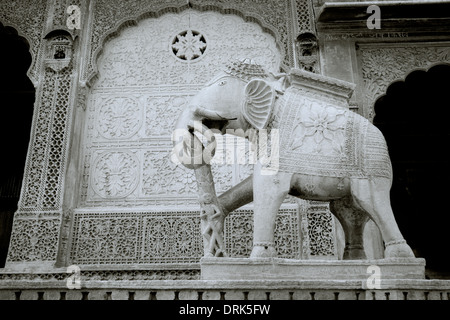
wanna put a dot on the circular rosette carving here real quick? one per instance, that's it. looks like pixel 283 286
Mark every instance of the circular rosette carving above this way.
pixel 115 174
pixel 119 118
pixel 188 45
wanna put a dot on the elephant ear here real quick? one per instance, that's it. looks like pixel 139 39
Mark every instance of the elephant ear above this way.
pixel 259 103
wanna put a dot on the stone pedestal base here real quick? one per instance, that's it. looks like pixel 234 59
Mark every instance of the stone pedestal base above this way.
pixel 286 269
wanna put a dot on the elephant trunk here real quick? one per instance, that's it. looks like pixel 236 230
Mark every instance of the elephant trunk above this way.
pixel 187 146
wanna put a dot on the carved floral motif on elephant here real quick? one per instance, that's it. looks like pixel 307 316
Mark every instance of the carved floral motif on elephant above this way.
pixel 319 129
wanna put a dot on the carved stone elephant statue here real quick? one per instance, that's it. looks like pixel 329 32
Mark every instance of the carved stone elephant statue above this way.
pixel 319 150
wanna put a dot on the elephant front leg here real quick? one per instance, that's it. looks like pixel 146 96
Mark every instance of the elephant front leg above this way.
pixel 269 191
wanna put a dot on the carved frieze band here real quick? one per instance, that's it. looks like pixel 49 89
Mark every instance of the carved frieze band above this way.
pixel 169 237
pixel 383 65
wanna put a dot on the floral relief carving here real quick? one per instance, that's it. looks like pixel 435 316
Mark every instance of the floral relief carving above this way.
pixel 115 174
pixel 139 237
pixel 319 127
pixel 239 233
pixel 163 177
pixel 119 118
pixel 161 114
pixel 320 231
pixel 107 238
pixel 133 58
pixel 168 236
pixel 189 45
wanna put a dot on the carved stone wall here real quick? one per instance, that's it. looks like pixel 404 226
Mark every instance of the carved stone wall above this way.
pixel 168 237
pixel 318 231
pixel 384 64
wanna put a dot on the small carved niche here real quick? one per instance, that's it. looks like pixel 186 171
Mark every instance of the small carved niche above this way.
pixel 59 49
pixel 308 52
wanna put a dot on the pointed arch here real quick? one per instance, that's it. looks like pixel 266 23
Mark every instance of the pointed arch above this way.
pixel 91 69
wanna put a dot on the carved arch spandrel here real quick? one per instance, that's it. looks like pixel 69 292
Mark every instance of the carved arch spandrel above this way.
pixel 110 18
pixel 384 65
pixel 27 18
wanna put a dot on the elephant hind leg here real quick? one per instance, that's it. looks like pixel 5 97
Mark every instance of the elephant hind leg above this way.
pixel 353 220
pixel 372 195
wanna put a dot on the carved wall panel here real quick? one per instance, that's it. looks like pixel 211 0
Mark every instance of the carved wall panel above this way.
pixel 383 65
pixel 34 240
pixel 304 16
pixel 47 151
pixel 317 230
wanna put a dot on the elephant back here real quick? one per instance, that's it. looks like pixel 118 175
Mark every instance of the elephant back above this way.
pixel 320 135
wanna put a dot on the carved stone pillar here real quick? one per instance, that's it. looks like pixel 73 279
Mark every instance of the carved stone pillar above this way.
pixel 37 223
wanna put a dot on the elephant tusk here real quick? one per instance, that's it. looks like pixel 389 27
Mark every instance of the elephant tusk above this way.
pixel 211 115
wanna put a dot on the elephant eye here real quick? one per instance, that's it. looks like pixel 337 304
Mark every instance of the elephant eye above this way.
pixel 223 82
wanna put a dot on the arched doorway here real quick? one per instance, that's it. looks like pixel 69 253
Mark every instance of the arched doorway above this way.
pixel 17 98
pixel 413 116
